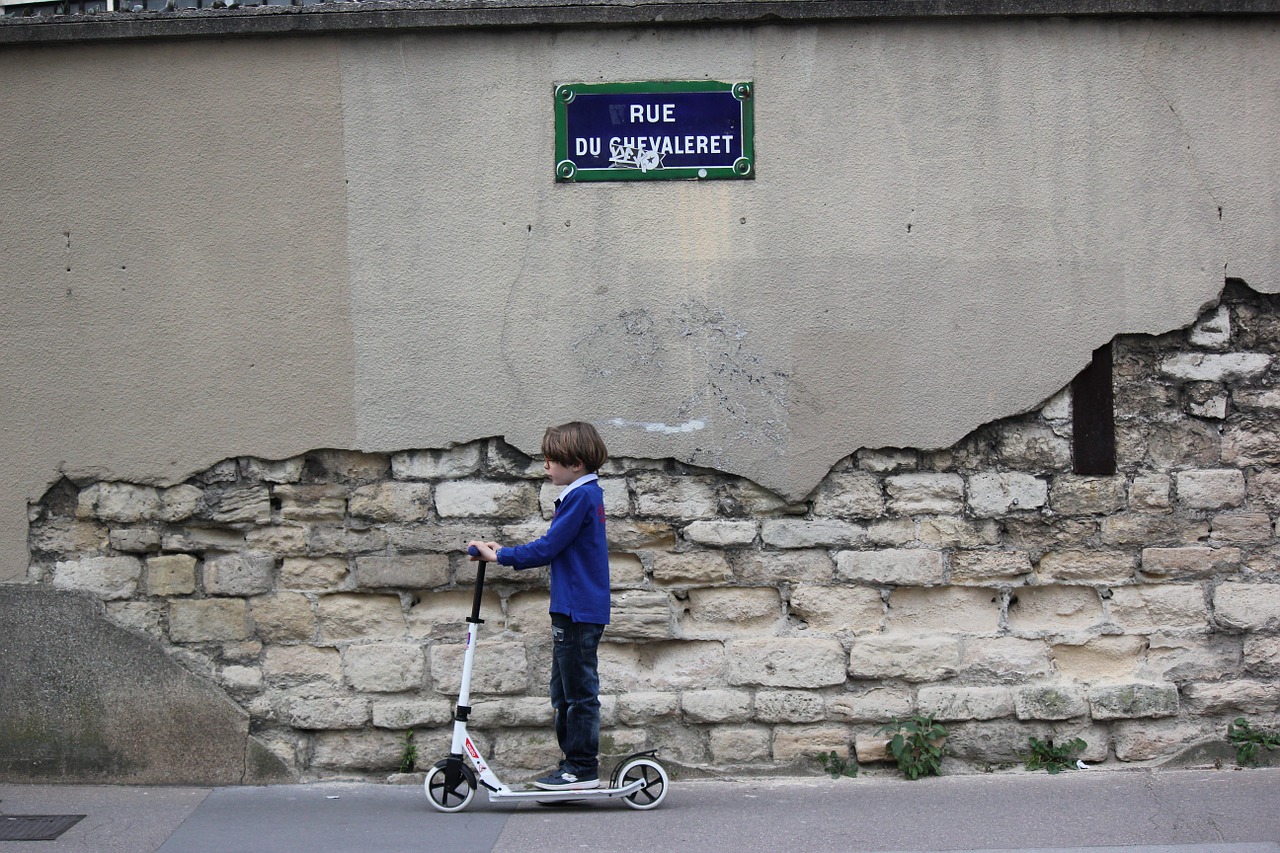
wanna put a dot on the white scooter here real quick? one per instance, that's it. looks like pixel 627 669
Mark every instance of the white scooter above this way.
pixel 639 779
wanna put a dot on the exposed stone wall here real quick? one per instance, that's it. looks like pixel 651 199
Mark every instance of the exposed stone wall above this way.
pixel 985 584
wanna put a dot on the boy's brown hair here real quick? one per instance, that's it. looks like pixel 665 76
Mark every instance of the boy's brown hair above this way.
pixel 575 442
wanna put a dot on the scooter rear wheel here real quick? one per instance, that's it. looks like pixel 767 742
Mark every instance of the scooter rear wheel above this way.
pixel 655 779
pixel 447 799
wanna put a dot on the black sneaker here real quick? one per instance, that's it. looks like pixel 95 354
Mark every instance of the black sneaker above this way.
pixel 566 780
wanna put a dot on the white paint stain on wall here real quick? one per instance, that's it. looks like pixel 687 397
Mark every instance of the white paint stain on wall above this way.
pixel 665 429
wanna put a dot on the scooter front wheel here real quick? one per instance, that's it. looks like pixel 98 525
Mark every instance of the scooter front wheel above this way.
pixel 445 798
pixel 655 778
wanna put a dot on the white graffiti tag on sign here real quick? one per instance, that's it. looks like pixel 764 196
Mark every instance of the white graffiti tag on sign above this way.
pixel 624 156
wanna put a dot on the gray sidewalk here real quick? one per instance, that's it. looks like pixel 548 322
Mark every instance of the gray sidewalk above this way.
pixel 1193 811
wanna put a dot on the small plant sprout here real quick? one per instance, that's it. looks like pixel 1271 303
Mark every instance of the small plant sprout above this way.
pixel 916 745
pixel 1045 755
pixel 1247 739
pixel 837 766
pixel 409 754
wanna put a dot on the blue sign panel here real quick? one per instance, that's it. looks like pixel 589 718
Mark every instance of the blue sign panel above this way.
pixel 654 131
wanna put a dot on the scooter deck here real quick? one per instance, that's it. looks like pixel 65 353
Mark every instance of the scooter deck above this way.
pixel 583 794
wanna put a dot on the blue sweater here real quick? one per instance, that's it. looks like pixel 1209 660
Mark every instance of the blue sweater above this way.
pixel 578 553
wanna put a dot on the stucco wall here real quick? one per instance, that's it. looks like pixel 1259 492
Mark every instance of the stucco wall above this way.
pixel 223 248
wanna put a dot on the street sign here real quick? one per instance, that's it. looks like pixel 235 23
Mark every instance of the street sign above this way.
pixel 654 131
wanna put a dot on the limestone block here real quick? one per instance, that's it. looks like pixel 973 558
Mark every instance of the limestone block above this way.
pixel 632 535
pixel 1241 528
pixel 1251 443
pixel 1263 490
pixel 925 494
pixel 1215 367
pixel 142 616
pixel 462 460
pixel 384 667
pixel 358 751
pixel 1248 607
pixel 989 567
pixel 789 706
pixel 617 497
pixel 910 658
pixel 1140 530
pixel 526 611
pixel 499 667
pixel 1005 660
pixel 273 471
pixel 739 745
pixel 716 706
pixel 349 466
pixel 1151 492
pixel 720 534
pixel 240 506
pixel 1072 494
pixel 392 501
pixel 838 608
pixel 107 577
pixel 208 620
pixel 179 503
pixel 745 499
pixel 891 566
pixel 126 502
pixel 1268 399
pixel 786 662
pixel 171 574
pixel 1212 330
pixel 326 539
pixel 642 709
pixel 241 679
pixel 876 705
pixel 1050 702
pixel 1216 488
pixel 318 573
pixel 1152 607
pixel 811 532
pixel 854 494
pixel 1099 659
pixel 626 571
pixel 135 540
pixel 1032 445
pixel 1186 656
pixel 352 616
pixel 411 713
pixel 66 536
pixel 281 540
pixel 672 667
pixel 1148 740
pixel 243 573
pixel 965 703
pixel 691 567
pixel 482 499
pixel 770 567
pixel 893 532
pixel 1039 532
pixel 956 532
pixel 311 502
pixel 513 711
pixel 721 612
pixel 797 742
pixel 1242 696
pixel 871 748
pixel 405 571
pixel 1192 561
pixel 1178 444
pixel 1108 567
pixel 282 616
pixel 290 665
pixel 1035 610
pixel 969 610
pixel 535 749
pixel 993 494
pixel 1127 701
pixel 640 615
pixel 686 498
pixel 886 460
pixel 1262 656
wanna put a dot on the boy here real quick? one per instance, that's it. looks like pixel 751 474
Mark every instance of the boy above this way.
pixel 578 554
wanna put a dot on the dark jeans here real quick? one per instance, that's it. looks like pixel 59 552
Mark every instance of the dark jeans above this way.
pixel 575 689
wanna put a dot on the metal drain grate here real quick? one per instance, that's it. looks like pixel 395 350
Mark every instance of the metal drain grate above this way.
pixel 36 827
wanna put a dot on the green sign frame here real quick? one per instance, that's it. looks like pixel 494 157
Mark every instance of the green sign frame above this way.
pixel 709 110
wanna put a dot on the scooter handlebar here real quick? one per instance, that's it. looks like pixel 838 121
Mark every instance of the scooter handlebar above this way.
pixel 473 551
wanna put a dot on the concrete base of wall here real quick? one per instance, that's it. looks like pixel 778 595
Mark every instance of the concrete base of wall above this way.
pixel 85 701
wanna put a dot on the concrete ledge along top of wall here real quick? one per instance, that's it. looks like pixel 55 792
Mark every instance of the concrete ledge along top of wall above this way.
pixel 356 241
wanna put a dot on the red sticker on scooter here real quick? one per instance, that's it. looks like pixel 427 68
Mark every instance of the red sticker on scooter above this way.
pixel 471 749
